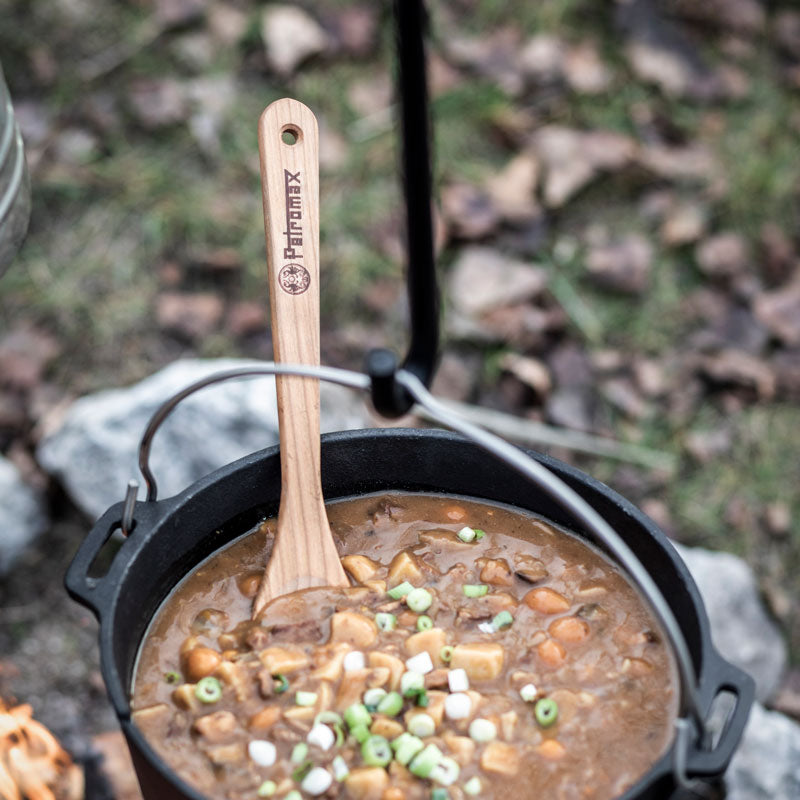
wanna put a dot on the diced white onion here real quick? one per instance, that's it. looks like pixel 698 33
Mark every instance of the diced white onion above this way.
pixel 411 682
pixel 317 781
pixel 420 663
pixel 354 660
pixel 473 786
pixel 528 692
pixel 422 725
pixel 457 680
pixel 466 534
pixel 457 705
pixel 486 627
pixel 373 696
pixel 262 752
pixel 322 736
pixel 482 730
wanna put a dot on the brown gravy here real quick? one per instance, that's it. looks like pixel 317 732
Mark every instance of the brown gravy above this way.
pixel 579 634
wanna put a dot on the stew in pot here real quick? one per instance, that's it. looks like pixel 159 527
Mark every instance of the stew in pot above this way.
pixel 481 652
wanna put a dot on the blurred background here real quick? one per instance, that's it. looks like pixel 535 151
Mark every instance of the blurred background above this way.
pixel 617 195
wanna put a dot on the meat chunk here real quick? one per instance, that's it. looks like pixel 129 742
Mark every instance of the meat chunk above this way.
pixel 529 568
pixel 495 571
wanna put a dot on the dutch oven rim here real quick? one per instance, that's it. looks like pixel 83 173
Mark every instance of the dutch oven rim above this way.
pixel 101 596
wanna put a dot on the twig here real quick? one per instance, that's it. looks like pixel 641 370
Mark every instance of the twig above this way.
pixel 528 432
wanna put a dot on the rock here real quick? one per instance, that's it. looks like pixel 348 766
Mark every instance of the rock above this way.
pixel 94 452
pixel 779 311
pixel 290 36
pixel 723 255
pixel 483 279
pixel 22 515
pixel 76 146
pixel 740 627
pixel 767 762
pixel 584 70
pixel 191 316
pixel 623 266
pixel 468 211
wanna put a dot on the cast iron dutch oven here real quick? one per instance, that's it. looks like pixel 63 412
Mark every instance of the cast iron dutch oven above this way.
pixel 172 536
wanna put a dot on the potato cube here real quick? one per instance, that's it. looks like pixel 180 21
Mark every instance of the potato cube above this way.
pixel 395 666
pixel 353 628
pixel 483 661
pixel 431 641
pixel 404 567
pixel 283 660
pixel 366 783
pixel 360 567
pixel 501 758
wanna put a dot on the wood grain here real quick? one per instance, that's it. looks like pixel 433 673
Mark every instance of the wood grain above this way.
pixel 304 554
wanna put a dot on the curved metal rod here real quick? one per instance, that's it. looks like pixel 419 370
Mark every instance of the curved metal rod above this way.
pixel 354 380
pixel 576 505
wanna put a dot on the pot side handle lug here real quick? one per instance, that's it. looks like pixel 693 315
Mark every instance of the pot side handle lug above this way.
pixel 704 763
pixel 81 586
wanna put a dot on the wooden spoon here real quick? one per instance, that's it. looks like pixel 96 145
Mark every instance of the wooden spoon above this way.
pixel 304 554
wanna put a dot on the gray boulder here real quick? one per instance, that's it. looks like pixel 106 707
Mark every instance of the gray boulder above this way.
pixel 767 763
pixel 740 627
pixel 94 452
pixel 22 515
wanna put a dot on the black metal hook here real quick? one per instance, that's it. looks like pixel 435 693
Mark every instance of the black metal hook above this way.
pixel 389 398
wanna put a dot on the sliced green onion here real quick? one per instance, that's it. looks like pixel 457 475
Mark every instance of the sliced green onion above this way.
pixel 401 590
pixel 360 733
pixel 440 794
pixel 473 786
pixel 502 620
pixel 372 697
pixel 446 653
pixel 340 768
pixel 267 789
pixel 446 771
pixel 327 718
pixel 302 770
pixel 305 698
pixel 422 725
pixel 385 621
pixel 466 534
pixel 482 730
pixel 405 747
pixel 208 690
pixel 299 753
pixel 376 751
pixel 411 683
pixel 293 795
pixel 475 589
pixel 356 715
pixel 391 704
pixel 424 623
pixel 419 600
pixel 280 683
pixel 172 677
pixel 546 711
pixel 422 699
pixel 424 762
pixel 479 534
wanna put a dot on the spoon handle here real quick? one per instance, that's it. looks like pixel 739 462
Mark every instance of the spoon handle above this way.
pixel 304 553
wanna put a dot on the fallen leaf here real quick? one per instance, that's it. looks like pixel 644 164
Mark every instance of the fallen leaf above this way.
pixel 778 255
pixel 743 16
pixel 689 163
pixel 25 353
pixel 530 371
pixel 513 189
pixel 483 279
pixel 786 30
pixel 624 396
pixel 492 55
pixel 158 102
pixel 542 57
pixel 623 266
pixel 684 223
pixel 735 327
pixel 468 211
pixel 572 408
pixel 226 23
pixel 354 29
pixel 172 13
pixel 290 36
pixel 455 376
pixel 778 518
pixel 779 311
pixel 786 365
pixel 193 316
pixel 584 70
pixel 247 318
pixel 737 368
pixel 705 446
pixel 723 255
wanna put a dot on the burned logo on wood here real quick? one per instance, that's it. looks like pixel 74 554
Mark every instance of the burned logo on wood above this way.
pixel 293 278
